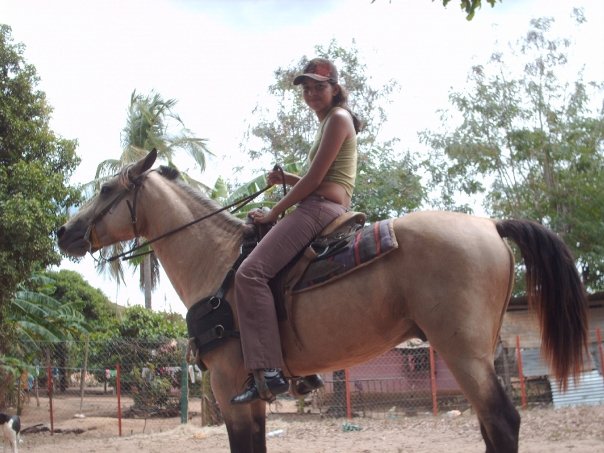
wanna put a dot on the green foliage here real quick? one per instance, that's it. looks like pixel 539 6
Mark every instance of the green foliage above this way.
pixel 153 394
pixel 136 322
pixel 391 187
pixel 266 199
pixel 69 287
pixel 470 6
pixel 532 143
pixel 39 317
pixel 153 123
pixel 150 370
pixel 13 367
pixel 35 166
pixel 387 184
pixel 35 319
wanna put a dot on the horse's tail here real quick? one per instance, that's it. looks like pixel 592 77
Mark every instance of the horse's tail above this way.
pixel 555 291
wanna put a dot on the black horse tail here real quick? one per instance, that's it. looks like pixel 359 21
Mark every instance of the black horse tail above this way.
pixel 555 291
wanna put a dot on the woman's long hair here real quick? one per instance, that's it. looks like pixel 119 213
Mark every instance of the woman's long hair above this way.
pixel 341 100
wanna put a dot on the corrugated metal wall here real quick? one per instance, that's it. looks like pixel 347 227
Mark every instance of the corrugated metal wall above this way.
pixel 589 389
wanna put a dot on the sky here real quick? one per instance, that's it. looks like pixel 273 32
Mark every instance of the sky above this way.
pixel 217 58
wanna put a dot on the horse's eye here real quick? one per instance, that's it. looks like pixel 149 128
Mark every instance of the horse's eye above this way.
pixel 105 190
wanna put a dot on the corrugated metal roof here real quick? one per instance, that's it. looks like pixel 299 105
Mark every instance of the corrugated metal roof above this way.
pixel 588 390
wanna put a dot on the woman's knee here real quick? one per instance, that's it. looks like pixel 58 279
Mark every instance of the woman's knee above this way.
pixel 248 272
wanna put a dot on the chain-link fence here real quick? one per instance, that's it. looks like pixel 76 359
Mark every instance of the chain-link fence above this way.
pixel 126 380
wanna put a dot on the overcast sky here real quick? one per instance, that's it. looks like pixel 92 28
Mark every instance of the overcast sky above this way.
pixel 217 58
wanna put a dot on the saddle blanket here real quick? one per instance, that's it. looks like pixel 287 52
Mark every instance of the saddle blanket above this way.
pixel 366 245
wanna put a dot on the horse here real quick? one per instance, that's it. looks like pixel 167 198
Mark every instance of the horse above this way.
pixel 449 280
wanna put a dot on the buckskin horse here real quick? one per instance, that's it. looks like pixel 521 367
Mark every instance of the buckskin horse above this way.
pixel 449 280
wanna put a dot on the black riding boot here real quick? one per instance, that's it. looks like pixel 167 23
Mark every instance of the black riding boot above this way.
pixel 262 384
pixel 309 383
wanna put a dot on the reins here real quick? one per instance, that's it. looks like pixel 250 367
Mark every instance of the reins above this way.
pixel 237 204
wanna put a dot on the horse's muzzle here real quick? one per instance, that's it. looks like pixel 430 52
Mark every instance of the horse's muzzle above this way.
pixel 73 244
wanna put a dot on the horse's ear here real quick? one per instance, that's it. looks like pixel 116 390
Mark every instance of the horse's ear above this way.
pixel 143 164
pixel 149 160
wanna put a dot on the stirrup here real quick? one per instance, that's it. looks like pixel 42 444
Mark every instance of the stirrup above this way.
pixel 263 390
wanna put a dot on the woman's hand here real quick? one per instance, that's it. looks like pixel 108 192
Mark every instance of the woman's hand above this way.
pixel 263 216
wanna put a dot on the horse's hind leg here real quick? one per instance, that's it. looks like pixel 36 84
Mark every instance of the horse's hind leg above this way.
pixel 499 419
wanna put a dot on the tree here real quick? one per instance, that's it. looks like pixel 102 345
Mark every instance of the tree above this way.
pixel 387 184
pixel 40 317
pixel 37 318
pixel 469 6
pixel 532 143
pixel 150 123
pixel 35 167
pixel 138 323
pixel 69 287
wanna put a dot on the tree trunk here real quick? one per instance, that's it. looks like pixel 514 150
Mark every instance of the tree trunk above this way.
pixel 338 407
pixel 210 414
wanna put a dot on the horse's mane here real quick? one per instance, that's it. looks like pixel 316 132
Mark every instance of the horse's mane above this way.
pixel 172 174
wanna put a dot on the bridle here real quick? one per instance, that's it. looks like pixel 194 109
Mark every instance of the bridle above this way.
pixel 130 185
pixel 135 185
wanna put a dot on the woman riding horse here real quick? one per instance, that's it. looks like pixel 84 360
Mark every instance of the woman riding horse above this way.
pixel 321 195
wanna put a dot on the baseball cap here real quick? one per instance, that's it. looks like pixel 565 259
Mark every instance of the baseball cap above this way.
pixel 318 69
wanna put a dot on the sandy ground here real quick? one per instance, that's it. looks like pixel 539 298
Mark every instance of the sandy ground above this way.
pixel 575 430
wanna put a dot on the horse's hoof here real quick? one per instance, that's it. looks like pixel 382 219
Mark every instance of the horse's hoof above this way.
pixel 309 383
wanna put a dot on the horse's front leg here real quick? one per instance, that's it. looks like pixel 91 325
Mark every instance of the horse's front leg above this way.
pixel 245 423
pixel 259 423
pixel 246 427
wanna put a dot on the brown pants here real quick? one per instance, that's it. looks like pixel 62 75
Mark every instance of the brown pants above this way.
pixel 255 306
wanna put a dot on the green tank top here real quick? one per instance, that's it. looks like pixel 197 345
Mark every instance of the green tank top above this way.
pixel 343 170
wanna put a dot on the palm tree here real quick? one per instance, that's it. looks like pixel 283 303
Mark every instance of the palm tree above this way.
pixel 150 123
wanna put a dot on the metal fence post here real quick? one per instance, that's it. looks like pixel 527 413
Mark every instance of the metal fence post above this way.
pixel 184 393
pixel 601 350
pixel 83 373
pixel 50 388
pixel 433 381
pixel 118 388
pixel 347 387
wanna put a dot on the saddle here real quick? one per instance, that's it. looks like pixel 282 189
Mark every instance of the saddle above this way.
pixel 210 321
pixel 343 246
pixel 334 238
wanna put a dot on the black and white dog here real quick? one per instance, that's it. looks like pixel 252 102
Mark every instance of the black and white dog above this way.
pixel 11 425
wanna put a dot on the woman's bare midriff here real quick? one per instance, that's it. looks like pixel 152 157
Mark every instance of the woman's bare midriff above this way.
pixel 333 192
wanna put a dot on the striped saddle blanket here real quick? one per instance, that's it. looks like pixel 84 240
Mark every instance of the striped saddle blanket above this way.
pixel 350 253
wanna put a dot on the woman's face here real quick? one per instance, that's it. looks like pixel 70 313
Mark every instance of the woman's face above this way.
pixel 318 95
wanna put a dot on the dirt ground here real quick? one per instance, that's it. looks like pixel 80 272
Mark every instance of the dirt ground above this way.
pixel 543 430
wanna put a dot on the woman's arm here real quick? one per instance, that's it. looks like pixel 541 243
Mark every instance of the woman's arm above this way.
pixel 338 128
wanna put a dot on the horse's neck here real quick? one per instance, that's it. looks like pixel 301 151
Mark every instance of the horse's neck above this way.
pixel 197 258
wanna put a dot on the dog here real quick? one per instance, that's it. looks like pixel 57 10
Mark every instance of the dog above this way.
pixel 11 426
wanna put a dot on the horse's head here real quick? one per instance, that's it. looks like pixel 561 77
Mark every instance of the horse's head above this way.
pixel 110 216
